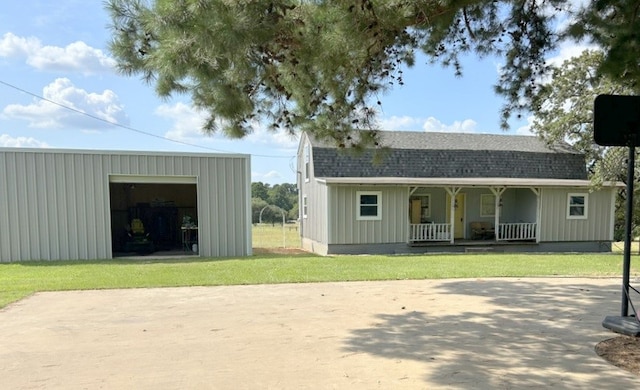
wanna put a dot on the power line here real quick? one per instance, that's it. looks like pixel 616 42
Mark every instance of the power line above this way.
pixel 116 124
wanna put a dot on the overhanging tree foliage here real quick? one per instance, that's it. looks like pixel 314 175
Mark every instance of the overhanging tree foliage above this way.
pixel 321 66
pixel 563 112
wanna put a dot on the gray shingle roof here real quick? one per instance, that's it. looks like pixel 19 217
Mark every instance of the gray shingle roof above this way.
pixel 449 155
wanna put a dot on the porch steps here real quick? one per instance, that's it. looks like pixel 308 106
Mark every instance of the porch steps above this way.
pixel 479 249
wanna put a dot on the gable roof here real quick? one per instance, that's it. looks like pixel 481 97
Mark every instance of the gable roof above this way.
pixel 451 155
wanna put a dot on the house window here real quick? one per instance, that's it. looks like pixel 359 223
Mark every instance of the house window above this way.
pixel 487 205
pixel 307 163
pixel 577 206
pixel 304 206
pixel 369 205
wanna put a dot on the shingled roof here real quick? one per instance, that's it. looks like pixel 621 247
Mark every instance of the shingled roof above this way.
pixel 452 155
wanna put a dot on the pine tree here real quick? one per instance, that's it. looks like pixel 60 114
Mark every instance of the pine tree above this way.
pixel 321 65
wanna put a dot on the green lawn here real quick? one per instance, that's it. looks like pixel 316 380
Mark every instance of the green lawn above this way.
pixel 274 236
pixel 18 280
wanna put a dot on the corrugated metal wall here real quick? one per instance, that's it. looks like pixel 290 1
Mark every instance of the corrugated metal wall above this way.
pixel 55 204
pixel 342 211
pixel 556 227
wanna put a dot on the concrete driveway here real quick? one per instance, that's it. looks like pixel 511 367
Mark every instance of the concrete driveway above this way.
pixel 428 334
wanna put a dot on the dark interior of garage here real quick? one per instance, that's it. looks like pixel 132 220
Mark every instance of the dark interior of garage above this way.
pixel 153 218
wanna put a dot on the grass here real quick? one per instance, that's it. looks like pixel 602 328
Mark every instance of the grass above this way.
pixel 18 280
pixel 274 236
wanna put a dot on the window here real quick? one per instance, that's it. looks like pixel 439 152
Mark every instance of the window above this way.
pixel 487 205
pixel 577 206
pixel 369 205
pixel 307 163
pixel 304 206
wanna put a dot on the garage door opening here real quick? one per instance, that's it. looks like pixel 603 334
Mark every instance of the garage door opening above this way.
pixel 153 218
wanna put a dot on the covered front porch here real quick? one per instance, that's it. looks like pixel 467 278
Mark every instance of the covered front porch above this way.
pixel 476 214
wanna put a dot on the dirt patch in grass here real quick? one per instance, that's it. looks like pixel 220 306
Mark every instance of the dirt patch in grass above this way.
pixel 621 351
pixel 279 251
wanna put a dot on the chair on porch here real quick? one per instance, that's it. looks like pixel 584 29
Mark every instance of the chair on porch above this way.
pixel 481 230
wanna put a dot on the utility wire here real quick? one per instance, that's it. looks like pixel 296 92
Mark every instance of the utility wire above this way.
pixel 125 126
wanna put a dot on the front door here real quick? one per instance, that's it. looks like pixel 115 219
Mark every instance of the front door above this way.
pixel 458 221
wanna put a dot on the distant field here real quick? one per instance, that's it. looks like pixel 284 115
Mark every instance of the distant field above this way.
pixel 618 247
pixel 274 236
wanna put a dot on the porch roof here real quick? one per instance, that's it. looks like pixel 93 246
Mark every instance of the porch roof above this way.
pixel 464 182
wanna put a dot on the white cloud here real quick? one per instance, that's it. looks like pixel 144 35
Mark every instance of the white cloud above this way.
pixel 21 142
pixel 75 57
pixel 396 123
pixel 14 46
pixel 400 123
pixel 269 177
pixel 188 121
pixel 569 50
pixel 465 126
pixel 48 115
pixel 281 140
pixel 526 129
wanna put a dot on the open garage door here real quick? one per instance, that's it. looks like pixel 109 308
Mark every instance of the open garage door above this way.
pixel 148 213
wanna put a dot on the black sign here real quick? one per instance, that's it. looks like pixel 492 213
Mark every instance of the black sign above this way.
pixel 616 120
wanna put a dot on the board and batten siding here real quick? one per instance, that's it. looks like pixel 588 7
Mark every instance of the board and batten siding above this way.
pixel 54 204
pixel 344 228
pixel 555 226
pixel 314 226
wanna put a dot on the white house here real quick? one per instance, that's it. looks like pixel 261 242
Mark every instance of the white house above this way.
pixel 451 192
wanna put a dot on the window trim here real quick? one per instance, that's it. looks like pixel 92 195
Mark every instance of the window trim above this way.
pixel 378 206
pixel 493 202
pixel 305 206
pixel 307 163
pixel 585 206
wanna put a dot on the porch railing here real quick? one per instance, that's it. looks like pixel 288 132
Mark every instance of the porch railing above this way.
pixel 430 232
pixel 516 231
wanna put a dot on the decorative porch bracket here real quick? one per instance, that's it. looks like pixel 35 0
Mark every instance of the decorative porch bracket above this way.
pixel 497 192
pixel 453 192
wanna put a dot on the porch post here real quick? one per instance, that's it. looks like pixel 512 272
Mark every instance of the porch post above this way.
pixel 537 191
pixel 497 192
pixel 452 191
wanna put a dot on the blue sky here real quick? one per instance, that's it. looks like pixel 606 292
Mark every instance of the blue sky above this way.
pixel 58 50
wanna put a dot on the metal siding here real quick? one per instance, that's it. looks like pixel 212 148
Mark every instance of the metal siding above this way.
pixel 345 229
pixel 219 212
pixel 18 219
pixel 320 200
pixel 43 215
pixel 7 207
pixel 207 243
pixel 556 227
pixel 56 206
pixel 315 226
pixel 5 224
